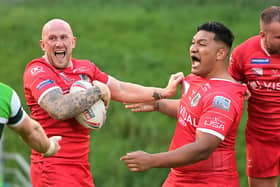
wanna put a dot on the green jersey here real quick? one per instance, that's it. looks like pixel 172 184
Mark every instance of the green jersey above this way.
pixel 11 112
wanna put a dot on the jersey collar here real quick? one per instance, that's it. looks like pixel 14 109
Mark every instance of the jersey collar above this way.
pixel 46 59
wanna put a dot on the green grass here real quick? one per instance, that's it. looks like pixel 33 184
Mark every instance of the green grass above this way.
pixel 138 41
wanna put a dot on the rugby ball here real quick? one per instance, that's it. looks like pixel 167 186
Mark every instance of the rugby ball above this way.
pixel 94 117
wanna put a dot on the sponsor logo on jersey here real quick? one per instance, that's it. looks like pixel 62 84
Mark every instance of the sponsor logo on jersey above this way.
pixel 186 118
pixel 221 102
pixel 268 85
pixel 81 69
pixel 250 163
pixel 195 100
pixel 257 71
pixel 44 83
pixel 37 69
pixel 275 73
pixel 260 61
pixel 255 85
pixel 214 123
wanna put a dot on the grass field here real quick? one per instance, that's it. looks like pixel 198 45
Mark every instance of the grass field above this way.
pixel 138 41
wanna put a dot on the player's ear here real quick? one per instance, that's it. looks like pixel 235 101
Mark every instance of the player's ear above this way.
pixel 42 45
pixel 74 42
pixel 262 34
pixel 221 54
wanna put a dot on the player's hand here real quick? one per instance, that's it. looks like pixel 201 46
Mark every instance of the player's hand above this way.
pixel 54 146
pixel 105 92
pixel 138 161
pixel 172 86
pixel 142 107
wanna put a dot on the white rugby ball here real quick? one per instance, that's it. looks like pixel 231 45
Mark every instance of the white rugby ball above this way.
pixel 94 117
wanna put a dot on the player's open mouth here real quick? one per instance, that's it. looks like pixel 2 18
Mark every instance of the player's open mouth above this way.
pixel 195 61
pixel 194 58
pixel 60 54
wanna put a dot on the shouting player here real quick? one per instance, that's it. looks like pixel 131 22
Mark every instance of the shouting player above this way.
pixel 47 81
pixel 202 150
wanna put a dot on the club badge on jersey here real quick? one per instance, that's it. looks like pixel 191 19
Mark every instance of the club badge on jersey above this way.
pixel 221 102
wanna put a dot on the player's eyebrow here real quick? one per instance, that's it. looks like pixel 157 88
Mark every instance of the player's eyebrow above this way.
pixel 202 40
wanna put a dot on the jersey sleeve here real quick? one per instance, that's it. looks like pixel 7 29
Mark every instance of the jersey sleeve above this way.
pixel 17 114
pixel 40 80
pixel 99 75
pixel 11 112
pixel 218 116
pixel 235 65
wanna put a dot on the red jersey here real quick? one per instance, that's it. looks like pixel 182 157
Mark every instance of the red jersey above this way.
pixel 212 106
pixel 39 78
pixel 253 65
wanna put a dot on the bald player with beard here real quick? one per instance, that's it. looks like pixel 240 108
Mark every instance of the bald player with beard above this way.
pixel 47 81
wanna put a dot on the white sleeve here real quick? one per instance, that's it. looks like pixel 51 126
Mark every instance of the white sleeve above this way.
pixel 17 112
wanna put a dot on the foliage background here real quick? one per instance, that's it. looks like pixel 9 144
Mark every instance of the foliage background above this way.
pixel 140 41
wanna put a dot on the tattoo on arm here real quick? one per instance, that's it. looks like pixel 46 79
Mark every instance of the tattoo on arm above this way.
pixel 156 96
pixel 62 107
pixel 50 102
pixel 157 105
pixel 93 95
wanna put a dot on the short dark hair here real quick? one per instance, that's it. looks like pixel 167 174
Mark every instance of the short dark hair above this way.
pixel 271 14
pixel 222 33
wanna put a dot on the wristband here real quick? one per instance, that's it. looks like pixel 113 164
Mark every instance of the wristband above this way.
pixel 50 150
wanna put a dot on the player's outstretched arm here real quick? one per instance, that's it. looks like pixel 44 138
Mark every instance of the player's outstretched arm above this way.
pixel 165 106
pixel 134 93
pixel 34 136
pixel 199 150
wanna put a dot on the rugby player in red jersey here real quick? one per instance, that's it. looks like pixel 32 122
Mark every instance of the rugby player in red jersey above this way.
pixel 47 81
pixel 202 150
pixel 256 62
